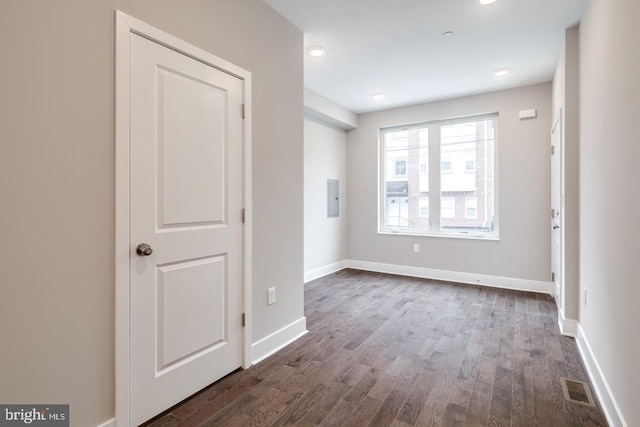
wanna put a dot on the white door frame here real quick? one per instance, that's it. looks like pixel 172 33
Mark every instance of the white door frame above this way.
pixel 125 25
pixel 557 183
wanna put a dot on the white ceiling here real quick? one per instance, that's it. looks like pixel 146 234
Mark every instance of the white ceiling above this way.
pixel 396 46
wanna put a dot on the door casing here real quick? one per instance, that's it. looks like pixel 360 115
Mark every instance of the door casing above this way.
pixel 125 26
pixel 557 204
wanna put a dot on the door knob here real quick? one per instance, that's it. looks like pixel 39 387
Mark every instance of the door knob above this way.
pixel 144 250
pixel 555 227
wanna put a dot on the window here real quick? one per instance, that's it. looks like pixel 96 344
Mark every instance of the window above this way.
pixel 471 207
pixel 423 154
pixel 446 165
pixel 423 206
pixel 400 168
pixel 448 207
pixel 469 166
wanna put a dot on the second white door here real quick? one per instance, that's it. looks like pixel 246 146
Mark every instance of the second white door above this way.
pixel 557 207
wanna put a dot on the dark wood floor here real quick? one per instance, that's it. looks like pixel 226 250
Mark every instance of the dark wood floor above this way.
pixel 385 350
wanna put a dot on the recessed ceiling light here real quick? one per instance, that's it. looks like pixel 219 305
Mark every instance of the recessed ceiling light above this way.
pixel 377 95
pixel 487 1
pixel 447 34
pixel 317 51
pixel 500 72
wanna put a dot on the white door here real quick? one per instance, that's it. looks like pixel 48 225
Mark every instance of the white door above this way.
pixel 556 209
pixel 186 204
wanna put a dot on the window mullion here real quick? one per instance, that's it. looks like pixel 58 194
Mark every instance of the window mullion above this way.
pixel 434 177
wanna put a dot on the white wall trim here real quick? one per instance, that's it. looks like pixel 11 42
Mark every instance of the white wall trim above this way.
pixel 319 272
pixel 270 344
pixel 125 26
pixel 109 423
pixel 455 276
pixel 605 396
pixel 568 327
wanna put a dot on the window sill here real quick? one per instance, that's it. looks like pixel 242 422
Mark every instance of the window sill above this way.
pixel 464 236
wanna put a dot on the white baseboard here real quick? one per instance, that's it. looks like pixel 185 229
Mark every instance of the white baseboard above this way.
pixel 268 345
pixel 609 405
pixel 568 327
pixel 455 276
pixel 109 423
pixel 317 273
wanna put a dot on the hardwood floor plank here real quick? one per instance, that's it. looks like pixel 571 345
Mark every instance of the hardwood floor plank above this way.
pixel 522 406
pixel 417 397
pixel 267 400
pixel 364 412
pixel 479 405
pixel 454 415
pixel 296 411
pixel 318 412
pixel 501 396
pixel 200 410
pixel 397 396
pixel 223 416
pixel 382 387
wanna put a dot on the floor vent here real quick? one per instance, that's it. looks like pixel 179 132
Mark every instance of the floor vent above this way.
pixel 577 392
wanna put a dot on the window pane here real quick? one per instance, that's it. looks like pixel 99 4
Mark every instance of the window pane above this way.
pixel 447 207
pixel 470 165
pixel 406 156
pixel 470 206
pixel 467 184
pixel 423 205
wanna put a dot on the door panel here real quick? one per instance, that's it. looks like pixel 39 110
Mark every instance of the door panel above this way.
pixel 200 286
pixel 191 147
pixel 186 203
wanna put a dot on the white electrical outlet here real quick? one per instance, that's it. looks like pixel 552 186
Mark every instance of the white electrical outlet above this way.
pixel 271 296
pixel 416 247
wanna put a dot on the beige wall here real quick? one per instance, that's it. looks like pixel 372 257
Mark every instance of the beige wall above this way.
pixel 609 195
pixel 325 157
pixel 57 182
pixel 523 251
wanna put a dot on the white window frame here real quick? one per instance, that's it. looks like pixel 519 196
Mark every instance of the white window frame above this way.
pixel 434 173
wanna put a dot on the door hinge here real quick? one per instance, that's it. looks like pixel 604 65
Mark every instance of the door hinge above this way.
pixel 553 147
pixel 243 111
pixel 553 214
pixel 553 279
pixel 243 319
pixel 243 215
